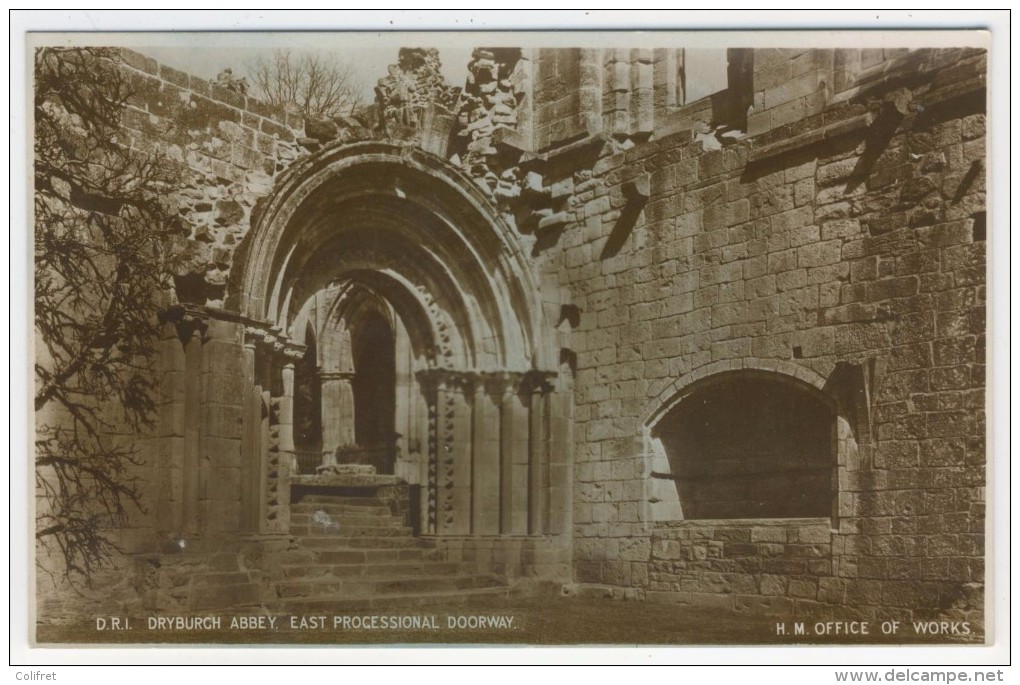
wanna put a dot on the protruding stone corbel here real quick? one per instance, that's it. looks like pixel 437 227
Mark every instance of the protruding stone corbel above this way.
pixel 186 321
pixel 554 221
pixel 533 186
pixel 272 341
pixel 853 386
pixel 637 190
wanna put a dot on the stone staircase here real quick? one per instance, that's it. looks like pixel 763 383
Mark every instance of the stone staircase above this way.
pixel 354 552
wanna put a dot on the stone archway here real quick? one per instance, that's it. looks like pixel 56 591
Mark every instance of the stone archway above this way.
pixel 375 236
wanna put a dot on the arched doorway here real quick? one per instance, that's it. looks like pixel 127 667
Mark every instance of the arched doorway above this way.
pixel 430 333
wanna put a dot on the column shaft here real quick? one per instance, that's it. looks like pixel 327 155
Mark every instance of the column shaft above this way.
pixel 249 445
pixel 192 431
pixel 513 464
pixel 538 465
pixel 485 471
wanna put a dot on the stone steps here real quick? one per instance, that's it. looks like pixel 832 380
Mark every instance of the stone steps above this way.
pixel 340 510
pixel 360 586
pixel 370 555
pixel 367 555
pixel 216 579
pixel 308 501
pixel 353 552
pixel 377 569
pixel 205 597
pixel 406 602
pixel 317 542
pixel 344 520
pixel 341 528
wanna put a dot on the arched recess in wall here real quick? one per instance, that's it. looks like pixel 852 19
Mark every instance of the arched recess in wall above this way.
pixel 750 443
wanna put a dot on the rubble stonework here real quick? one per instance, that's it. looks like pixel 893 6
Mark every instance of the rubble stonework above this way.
pixel 818 223
pixel 233 148
pixel 409 96
pixel 493 119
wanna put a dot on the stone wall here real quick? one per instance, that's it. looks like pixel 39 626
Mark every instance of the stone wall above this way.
pixel 232 146
pixel 846 228
pixel 763 566
pixel 559 115
pixel 821 220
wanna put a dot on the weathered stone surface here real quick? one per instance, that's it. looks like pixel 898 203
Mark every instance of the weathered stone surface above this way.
pixel 825 245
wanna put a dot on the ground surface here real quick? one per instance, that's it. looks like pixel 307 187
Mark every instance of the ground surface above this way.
pixel 545 621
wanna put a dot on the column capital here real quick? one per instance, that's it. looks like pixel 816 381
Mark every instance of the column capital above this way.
pixel 449 379
pixel 493 382
pixel 536 381
pixel 272 340
pixel 501 382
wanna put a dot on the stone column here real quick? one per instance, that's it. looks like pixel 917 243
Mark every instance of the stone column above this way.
pixel 455 445
pixel 538 458
pixel 450 479
pixel 172 430
pixel 286 418
pixel 590 89
pixel 642 115
pixel 347 409
pixel 192 430
pixel 223 379
pixel 561 461
pixel 403 402
pixel 268 441
pixel 250 447
pixel 485 467
pixel 513 438
pixel 337 417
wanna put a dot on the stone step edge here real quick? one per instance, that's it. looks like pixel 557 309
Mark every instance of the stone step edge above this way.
pixel 394 596
pixel 386 579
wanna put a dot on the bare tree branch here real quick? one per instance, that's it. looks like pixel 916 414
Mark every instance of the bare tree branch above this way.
pixel 314 85
pixel 102 236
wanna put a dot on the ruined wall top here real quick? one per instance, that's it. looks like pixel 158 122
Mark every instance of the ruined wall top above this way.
pixel 411 87
pixel 526 127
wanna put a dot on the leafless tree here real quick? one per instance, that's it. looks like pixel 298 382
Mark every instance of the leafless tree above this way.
pixel 315 85
pixel 102 228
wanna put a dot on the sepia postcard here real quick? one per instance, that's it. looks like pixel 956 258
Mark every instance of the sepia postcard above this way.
pixel 509 339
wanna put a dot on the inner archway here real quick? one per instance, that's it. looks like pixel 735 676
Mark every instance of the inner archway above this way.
pixel 374 389
pixel 433 346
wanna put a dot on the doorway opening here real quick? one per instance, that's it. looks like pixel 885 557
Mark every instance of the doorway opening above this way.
pixel 374 388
